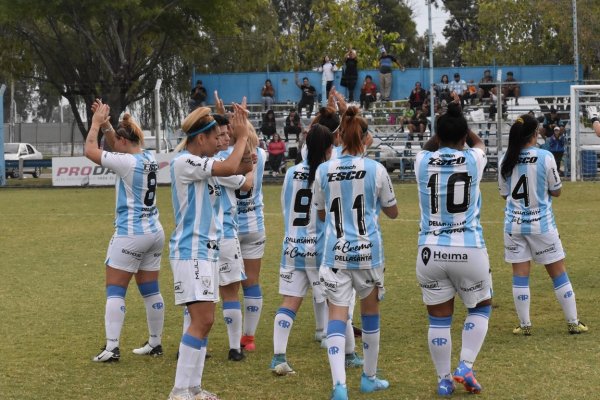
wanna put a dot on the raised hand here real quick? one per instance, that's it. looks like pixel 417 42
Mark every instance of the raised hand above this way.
pixel 101 115
pixel 219 106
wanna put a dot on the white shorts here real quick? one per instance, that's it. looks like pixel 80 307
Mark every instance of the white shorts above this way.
pixel 253 245
pixel 444 271
pixel 295 282
pixel 137 252
pixel 195 280
pixel 543 248
pixel 231 265
pixel 338 285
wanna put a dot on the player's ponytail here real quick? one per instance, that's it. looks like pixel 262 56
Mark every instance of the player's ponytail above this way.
pixel 318 141
pixel 520 134
pixel 129 130
pixel 354 129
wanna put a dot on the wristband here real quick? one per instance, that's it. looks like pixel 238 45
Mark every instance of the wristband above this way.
pixel 106 130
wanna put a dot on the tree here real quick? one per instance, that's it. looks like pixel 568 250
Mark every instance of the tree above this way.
pixel 398 32
pixel 462 28
pixel 114 50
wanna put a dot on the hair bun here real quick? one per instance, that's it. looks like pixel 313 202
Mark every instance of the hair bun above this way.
pixel 351 111
pixel 454 110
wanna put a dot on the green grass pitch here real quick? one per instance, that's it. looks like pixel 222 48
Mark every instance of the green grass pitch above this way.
pixel 52 248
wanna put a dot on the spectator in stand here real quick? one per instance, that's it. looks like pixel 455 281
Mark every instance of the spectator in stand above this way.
pixel 552 121
pixel 418 123
pixel 328 69
pixel 511 89
pixel 308 96
pixel 556 146
pixel 292 125
pixel 443 87
pixel 459 86
pixel 350 73
pixel 276 149
pixel 269 124
pixel 386 62
pixel 368 92
pixel 197 96
pixel 417 96
pixel 486 86
pixel 471 92
pixel 268 95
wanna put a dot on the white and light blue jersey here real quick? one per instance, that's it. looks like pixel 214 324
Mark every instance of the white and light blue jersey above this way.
pixel 229 185
pixel 196 206
pixel 528 201
pixel 303 230
pixel 135 211
pixel 250 204
pixel 352 191
pixel 449 197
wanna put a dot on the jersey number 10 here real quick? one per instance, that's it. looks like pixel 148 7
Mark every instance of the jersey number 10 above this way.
pixel 451 205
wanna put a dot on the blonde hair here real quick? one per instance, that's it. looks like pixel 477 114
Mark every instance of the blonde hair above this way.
pixel 130 130
pixel 194 121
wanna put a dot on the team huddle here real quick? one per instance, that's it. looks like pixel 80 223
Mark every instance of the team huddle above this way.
pixel 332 243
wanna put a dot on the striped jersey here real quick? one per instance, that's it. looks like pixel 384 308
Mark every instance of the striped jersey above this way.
pixel 229 184
pixel 449 196
pixel 303 230
pixel 528 201
pixel 250 204
pixel 196 207
pixel 352 190
pixel 135 211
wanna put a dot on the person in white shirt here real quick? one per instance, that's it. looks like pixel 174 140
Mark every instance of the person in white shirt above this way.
pixel 328 69
pixel 136 246
pixel 194 244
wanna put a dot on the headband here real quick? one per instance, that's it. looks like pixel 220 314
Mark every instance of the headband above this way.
pixel 203 129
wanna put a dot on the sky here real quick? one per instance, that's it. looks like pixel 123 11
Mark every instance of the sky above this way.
pixel 438 19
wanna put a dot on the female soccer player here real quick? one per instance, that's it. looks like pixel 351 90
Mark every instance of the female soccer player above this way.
pixel 452 257
pixel 194 244
pixel 136 246
pixel 528 180
pixel 252 236
pixel 231 266
pixel 349 192
pixel 302 242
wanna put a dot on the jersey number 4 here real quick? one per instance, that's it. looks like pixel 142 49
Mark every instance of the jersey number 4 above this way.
pixel 451 205
pixel 521 190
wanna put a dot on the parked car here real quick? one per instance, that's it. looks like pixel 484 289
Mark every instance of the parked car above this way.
pixel 15 151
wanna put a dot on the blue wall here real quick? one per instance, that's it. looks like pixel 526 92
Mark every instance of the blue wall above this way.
pixel 232 87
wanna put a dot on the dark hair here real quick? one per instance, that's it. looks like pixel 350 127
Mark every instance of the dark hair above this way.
pixel 305 78
pixel 520 134
pixel 369 77
pixel 198 82
pixel 269 113
pixel 319 139
pixel 221 119
pixel 509 73
pixel 327 116
pixel 353 128
pixel 442 79
pixel 456 74
pixel 452 127
pixel 268 80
